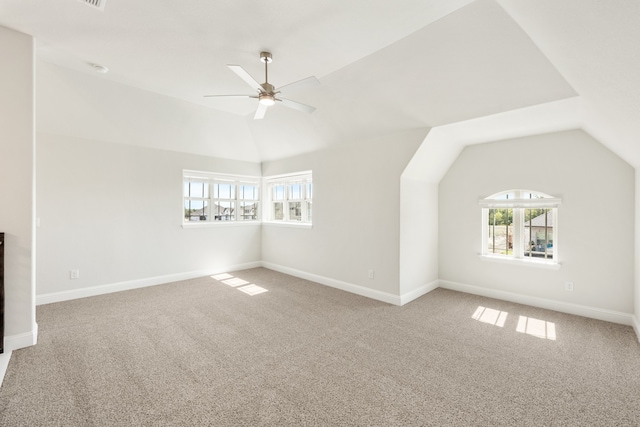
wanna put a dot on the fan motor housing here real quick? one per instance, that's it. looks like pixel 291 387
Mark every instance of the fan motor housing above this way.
pixel 266 57
pixel 268 87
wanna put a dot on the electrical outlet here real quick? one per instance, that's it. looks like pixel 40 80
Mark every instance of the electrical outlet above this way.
pixel 568 286
pixel 74 274
pixel 371 274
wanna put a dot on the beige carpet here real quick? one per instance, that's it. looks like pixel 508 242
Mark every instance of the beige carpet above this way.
pixel 204 352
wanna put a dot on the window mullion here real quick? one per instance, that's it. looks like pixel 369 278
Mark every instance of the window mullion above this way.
pixel 237 202
pixel 554 216
pixel 546 232
pixel 493 232
pixel 518 232
pixel 289 196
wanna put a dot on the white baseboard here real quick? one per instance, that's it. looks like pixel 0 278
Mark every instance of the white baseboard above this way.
pixel 28 339
pixel 417 293
pixel 636 326
pixel 18 341
pixel 15 342
pixel 135 284
pixel 4 364
pixel 563 307
pixel 338 284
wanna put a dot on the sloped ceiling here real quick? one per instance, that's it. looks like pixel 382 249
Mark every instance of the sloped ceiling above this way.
pixel 384 66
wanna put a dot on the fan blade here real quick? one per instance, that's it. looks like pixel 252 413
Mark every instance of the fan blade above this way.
pixel 246 77
pixel 301 84
pixel 296 105
pixel 260 112
pixel 229 96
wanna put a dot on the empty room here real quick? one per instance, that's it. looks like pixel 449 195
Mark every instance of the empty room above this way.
pixel 281 213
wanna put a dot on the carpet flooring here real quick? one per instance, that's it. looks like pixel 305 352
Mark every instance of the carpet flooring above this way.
pixel 260 348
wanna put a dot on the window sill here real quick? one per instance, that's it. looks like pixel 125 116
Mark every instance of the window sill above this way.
pixel 289 224
pixel 204 224
pixel 527 263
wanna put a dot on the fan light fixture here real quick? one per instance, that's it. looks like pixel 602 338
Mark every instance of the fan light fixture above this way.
pixel 267 99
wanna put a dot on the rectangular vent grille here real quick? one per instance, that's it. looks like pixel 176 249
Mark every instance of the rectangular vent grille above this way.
pixel 98 4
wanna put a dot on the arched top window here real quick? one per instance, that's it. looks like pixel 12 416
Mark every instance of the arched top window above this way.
pixel 522 225
pixel 519 198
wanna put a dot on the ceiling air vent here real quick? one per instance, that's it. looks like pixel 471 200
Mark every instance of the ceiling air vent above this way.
pixel 97 4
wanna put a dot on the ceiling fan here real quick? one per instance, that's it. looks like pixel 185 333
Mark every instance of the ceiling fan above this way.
pixel 267 93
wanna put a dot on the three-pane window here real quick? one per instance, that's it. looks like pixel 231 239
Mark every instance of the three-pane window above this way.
pixel 213 198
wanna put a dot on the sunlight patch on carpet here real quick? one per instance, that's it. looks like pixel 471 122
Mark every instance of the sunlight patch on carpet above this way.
pixel 252 290
pixel 238 283
pixel 537 328
pixel 222 276
pixel 490 316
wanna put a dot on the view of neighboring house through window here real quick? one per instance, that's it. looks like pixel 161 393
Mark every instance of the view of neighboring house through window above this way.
pixel 216 198
pixel 290 198
pixel 538 230
pixel 224 201
pixel 196 199
pixel 520 224
pixel 248 197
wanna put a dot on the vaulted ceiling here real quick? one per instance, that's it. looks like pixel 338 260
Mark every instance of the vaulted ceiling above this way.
pixel 383 66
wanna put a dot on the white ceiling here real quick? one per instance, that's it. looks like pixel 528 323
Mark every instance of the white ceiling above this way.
pixel 383 66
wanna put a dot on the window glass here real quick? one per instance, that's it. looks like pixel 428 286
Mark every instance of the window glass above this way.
pixel 248 192
pixel 290 198
pixel 213 197
pixel 520 224
pixel 195 210
pixel 224 211
pixel 500 231
pixel 295 191
pixel 278 192
pixel 295 211
pixel 278 211
pixel 224 191
pixel 197 189
pixel 248 211
pixel 538 231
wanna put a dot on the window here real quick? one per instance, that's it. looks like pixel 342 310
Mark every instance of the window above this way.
pixel 290 198
pixel 210 198
pixel 520 224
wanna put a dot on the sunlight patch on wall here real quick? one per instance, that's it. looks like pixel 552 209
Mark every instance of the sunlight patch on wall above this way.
pixel 536 327
pixel 490 316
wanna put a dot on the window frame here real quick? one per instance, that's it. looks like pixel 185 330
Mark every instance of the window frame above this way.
pixel 211 179
pixel 305 199
pixel 519 203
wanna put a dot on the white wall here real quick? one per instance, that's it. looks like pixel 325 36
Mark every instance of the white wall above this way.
pixel 596 218
pixel 110 190
pixel 418 237
pixel 115 211
pixel 356 215
pixel 17 185
pixel 637 259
